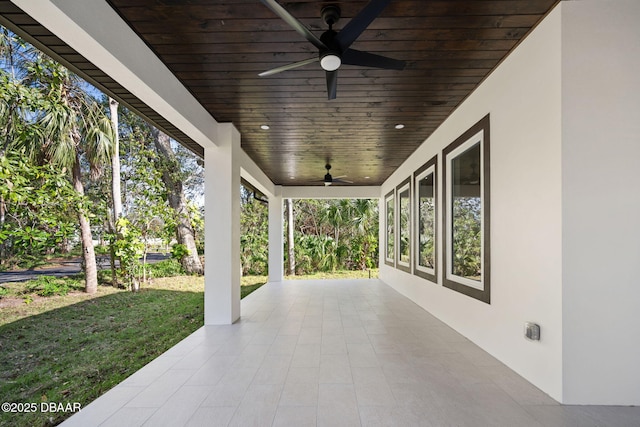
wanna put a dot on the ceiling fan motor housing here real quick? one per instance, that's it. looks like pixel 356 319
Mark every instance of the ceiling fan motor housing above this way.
pixel 328 179
pixel 331 58
pixel 330 14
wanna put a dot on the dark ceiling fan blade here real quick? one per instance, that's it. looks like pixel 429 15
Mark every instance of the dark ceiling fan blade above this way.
pixel 360 22
pixel 366 59
pixel 288 67
pixel 342 181
pixel 332 84
pixel 294 23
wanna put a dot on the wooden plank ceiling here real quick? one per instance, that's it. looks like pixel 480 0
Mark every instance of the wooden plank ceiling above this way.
pixel 218 47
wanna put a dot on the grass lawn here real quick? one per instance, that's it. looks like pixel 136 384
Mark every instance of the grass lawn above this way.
pixel 74 348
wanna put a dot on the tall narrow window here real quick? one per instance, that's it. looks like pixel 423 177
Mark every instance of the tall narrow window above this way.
pixel 390 225
pixel 426 221
pixel 404 225
pixel 467 213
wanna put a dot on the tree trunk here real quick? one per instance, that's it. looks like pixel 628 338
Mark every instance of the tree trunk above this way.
pixel 170 176
pixel 115 162
pixel 290 247
pixel 3 210
pixel 116 193
pixel 3 207
pixel 88 253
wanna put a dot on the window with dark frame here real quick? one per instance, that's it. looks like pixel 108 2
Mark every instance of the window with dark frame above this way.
pixel 425 250
pixel 466 212
pixel 390 225
pixel 403 192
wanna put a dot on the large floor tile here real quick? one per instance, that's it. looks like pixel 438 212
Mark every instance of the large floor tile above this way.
pixel 334 353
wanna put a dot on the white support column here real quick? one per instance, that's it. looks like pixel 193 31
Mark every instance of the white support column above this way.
pixel 276 229
pixel 222 229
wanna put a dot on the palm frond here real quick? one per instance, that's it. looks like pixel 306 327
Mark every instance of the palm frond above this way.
pixel 98 137
pixel 59 135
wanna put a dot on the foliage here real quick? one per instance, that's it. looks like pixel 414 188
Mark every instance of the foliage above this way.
pixel 196 214
pixel 47 286
pixel 167 268
pixel 467 232
pixel 54 134
pixel 29 231
pixel 328 234
pixel 335 234
pixel 128 249
pixel 426 232
pixel 390 232
pixel 145 197
pixel 50 119
pixel 254 234
pixel 404 238
pixel 145 194
pixel 179 251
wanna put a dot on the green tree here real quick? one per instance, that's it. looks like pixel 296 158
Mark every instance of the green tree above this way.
pixel 254 234
pixel 69 128
pixel 364 222
pixel 173 178
pixel 335 234
pixel 129 248
pixel 145 206
pixel 31 231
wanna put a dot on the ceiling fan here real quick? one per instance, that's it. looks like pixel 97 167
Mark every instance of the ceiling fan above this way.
pixel 328 179
pixel 334 47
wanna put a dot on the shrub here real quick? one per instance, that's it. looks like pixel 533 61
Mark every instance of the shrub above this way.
pixel 3 292
pixel 47 286
pixel 167 268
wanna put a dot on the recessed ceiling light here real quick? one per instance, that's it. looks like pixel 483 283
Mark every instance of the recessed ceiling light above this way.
pixel 292 177
pixel 399 126
pixel 264 127
pixel 367 177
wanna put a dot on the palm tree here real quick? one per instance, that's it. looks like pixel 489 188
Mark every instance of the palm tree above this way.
pixel 71 128
pixel 364 215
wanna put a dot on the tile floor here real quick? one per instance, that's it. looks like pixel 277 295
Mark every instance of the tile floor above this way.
pixel 333 353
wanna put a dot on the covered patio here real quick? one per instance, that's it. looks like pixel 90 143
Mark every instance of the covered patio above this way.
pixel 333 353
pixel 550 126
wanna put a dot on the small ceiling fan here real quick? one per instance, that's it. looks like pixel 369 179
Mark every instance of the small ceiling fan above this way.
pixel 334 47
pixel 328 179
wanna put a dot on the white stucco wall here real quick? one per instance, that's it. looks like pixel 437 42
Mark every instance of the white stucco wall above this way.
pixel 565 235
pixel 601 201
pixel 523 97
